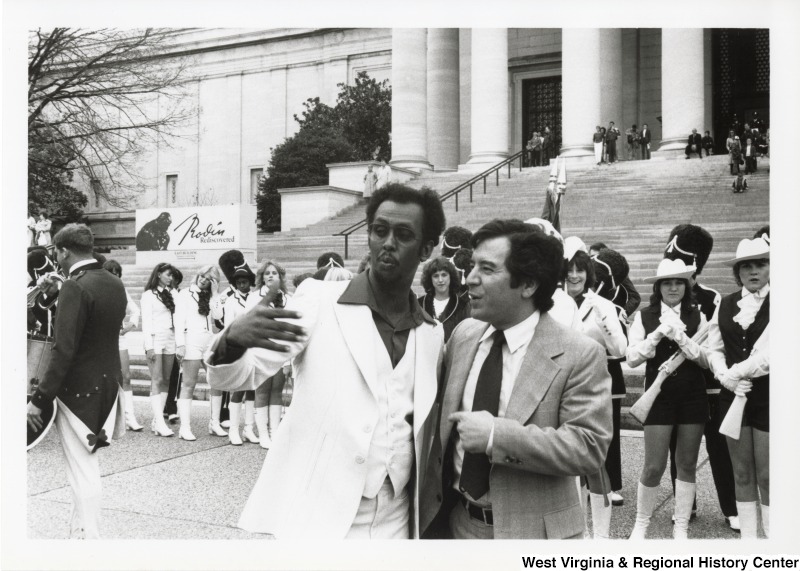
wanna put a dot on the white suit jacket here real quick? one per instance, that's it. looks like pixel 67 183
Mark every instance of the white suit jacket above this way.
pixel 313 478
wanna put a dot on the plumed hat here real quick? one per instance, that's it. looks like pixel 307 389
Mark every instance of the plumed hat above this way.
pixel 689 243
pixel 39 263
pixel 763 232
pixel 455 237
pixel 610 270
pixel 233 266
pixel 462 260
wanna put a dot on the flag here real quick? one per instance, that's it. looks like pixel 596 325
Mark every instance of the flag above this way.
pixel 552 202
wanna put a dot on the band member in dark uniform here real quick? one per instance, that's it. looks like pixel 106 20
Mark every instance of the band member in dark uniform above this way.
pixel 84 372
pixel 693 245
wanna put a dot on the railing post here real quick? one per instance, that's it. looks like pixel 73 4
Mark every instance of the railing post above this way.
pixel 484 185
pixel 470 193
pixel 346 245
pixel 456 202
pixel 497 177
pixel 509 169
pixel 520 163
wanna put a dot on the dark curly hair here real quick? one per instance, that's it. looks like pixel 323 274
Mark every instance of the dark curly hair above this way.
pixel 433 222
pixel 440 264
pixel 533 257
pixel 687 303
pixel 152 284
pixel 583 263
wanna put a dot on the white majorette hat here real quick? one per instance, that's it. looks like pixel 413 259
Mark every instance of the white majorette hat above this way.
pixel 755 249
pixel 572 245
pixel 669 269
pixel 546 227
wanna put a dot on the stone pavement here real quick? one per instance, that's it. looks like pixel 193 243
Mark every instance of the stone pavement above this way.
pixel 167 488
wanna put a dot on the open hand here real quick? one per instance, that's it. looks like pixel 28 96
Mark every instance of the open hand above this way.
pixel 260 327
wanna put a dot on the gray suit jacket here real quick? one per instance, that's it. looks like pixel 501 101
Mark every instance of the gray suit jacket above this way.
pixel 557 426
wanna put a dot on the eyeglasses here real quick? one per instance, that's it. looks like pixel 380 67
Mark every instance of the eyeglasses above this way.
pixel 401 234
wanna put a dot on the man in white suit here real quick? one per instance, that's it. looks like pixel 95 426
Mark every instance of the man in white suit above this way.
pixel 346 459
pixel 526 404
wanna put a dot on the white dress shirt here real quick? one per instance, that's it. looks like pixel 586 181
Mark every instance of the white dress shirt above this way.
pixel 187 315
pixel 517 338
pixel 757 365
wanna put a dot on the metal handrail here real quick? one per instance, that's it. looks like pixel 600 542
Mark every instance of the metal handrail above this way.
pixel 450 193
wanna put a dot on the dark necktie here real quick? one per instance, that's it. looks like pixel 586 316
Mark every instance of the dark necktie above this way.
pixel 476 466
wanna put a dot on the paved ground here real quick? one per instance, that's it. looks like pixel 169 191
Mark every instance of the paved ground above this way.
pixel 166 488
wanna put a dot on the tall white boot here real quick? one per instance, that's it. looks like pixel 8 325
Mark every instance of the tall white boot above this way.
pixel 214 427
pixel 235 409
pixel 765 519
pixel 262 421
pixel 158 426
pixel 130 413
pixel 185 414
pixel 684 498
pixel 748 519
pixel 601 516
pixel 248 435
pixel 646 498
pixel 275 411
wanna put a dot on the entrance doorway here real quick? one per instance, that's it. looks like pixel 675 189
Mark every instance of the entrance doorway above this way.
pixel 541 107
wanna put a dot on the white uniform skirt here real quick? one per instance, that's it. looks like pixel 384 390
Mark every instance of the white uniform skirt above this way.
pixel 197 342
pixel 123 343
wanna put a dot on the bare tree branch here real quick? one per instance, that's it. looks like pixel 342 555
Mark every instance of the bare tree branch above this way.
pixel 103 98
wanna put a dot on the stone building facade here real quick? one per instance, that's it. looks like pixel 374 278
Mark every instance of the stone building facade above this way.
pixel 462 98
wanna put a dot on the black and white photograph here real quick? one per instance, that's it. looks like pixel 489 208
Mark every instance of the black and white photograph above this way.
pixel 333 275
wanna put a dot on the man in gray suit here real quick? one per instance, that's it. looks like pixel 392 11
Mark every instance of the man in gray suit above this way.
pixel 525 404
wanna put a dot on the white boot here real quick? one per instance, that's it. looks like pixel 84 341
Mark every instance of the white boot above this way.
pixel 601 516
pixel 214 427
pixel 130 413
pixel 248 435
pixel 185 414
pixel 684 498
pixel 235 409
pixel 262 421
pixel 765 519
pixel 158 426
pixel 275 411
pixel 646 498
pixel 748 519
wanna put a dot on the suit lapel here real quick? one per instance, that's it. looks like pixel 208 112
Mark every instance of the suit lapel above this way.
pixel 456 377
pixel 537 372
pixel 358 330
pixel 426 352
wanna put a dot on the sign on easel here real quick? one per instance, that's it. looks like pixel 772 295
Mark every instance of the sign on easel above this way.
pixel 197 234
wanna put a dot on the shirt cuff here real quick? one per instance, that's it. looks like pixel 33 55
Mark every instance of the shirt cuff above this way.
pixel 490 444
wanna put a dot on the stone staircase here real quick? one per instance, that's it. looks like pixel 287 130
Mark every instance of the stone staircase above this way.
pixel 631 206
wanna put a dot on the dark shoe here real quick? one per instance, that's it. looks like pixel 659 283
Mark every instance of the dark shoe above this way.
pixel 173 418
pixel 616 499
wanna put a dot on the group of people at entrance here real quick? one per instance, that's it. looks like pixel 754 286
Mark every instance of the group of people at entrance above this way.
pixel 605 143
pixel 540 148
pixel 475 412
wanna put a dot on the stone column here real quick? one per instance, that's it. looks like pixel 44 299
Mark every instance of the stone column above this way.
pixel 489 96
pixel 682 87
pixel 610 48
pixel 409 98
pixel 580 92
pixel 443 98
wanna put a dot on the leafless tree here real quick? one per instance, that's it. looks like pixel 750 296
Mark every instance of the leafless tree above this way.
pixel 98 100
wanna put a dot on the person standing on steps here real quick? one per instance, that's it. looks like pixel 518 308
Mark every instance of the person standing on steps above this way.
pixel 645 142
pixel 611 142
